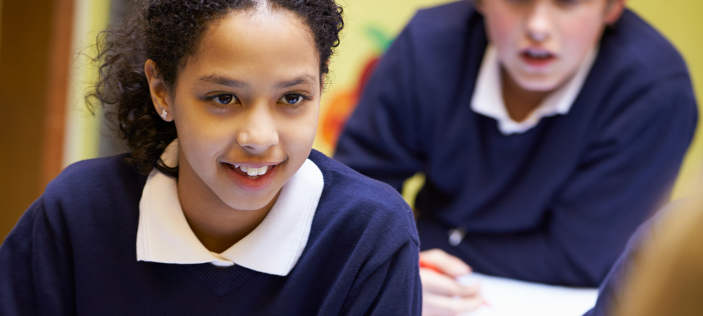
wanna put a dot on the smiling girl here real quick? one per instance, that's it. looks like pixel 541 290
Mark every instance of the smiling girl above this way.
pixel 221 206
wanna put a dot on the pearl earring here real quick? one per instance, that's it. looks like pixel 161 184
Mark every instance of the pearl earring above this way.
pixel 163 114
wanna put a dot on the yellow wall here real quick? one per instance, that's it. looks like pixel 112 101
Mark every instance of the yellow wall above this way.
pixel 82 127
pixel 389 15
pixel 681 22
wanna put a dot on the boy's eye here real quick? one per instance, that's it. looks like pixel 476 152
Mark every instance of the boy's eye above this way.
pixel 292 98
pixel 568 2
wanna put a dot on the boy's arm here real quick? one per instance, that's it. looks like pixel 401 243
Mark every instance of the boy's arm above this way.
pixel 622 179
pixel 380 140
pixel 35 277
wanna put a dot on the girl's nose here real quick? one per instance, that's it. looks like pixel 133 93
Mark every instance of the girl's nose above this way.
pixel 538 22
pixel 258 131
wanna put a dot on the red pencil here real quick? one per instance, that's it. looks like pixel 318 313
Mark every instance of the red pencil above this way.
pixel 425 264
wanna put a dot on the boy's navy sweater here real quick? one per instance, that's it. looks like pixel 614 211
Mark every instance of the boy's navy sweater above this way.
pixel 74 253
pixel 555 204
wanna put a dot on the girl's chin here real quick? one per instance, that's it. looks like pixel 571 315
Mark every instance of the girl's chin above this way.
pixel 252 204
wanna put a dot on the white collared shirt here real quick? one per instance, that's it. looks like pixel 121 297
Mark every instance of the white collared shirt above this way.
pixel 488 94
pixel 273 247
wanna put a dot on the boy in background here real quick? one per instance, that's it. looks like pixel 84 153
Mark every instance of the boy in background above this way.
pixel 548 130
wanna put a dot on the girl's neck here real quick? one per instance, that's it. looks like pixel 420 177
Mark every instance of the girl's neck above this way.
pixel 216 225
pixel 519 102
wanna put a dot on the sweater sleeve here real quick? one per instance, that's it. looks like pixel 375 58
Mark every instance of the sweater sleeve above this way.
pixel 393 288
pixel 380 139
pixel 35 273
pixel 624 176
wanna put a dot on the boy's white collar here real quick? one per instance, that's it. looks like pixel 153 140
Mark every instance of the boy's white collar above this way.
pixel 488 94
pixel 274 247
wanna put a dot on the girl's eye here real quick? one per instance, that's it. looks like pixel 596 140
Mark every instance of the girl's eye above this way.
pixel 292 98
pixel 224 98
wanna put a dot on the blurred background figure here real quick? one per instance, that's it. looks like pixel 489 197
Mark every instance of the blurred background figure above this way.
pixel 541 158
pixel 666 277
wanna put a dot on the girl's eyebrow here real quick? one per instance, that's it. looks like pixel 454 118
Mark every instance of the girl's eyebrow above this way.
pixel 221 80
pixel 304 79
pixel 225 81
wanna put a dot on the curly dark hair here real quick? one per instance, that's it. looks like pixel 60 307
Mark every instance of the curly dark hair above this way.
pixel 168 32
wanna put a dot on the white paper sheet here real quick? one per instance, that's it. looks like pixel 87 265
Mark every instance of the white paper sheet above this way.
pixel 507 297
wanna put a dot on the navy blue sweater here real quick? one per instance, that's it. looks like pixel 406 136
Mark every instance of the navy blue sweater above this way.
pixel 74 253
pixel 555 204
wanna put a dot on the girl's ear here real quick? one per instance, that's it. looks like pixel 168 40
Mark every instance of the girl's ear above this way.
pixel 160 96
pixel 614 11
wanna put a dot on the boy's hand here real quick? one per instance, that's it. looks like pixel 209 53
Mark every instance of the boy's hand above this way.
pixel 441 294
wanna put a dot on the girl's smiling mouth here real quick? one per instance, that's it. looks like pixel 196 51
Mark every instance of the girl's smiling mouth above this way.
pixel 251 177
pixel 251 171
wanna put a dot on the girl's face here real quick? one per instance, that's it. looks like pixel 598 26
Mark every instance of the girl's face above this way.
pixel 542 43
pixel 246 106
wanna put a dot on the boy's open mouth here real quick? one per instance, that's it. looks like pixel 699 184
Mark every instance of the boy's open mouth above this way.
pixel 537 57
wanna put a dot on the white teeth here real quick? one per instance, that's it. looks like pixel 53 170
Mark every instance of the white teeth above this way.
pixel 257 171
pixel 252 172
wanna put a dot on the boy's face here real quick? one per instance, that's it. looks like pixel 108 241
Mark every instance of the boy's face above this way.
pixel 542 43
pixel 247 99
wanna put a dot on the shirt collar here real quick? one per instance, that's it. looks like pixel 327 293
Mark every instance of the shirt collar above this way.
pixel 488 94
pixel 273 247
